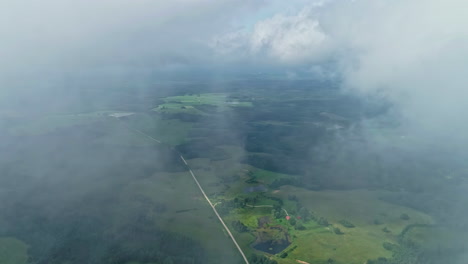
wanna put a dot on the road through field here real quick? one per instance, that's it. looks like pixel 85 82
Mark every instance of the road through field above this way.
pixel 202 191
pixel 215 211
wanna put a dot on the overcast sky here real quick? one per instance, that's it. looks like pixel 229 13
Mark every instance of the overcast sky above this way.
pixel 411 52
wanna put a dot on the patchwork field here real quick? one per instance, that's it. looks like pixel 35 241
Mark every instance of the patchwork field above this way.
pixel 374 221
pixel 183 210
pixel 268 171
pixel 188 103
pixel 168 131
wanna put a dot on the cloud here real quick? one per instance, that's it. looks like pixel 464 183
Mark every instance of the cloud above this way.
pixel 411 53
pixel 290 39
pixel 283 39
pixel 57 34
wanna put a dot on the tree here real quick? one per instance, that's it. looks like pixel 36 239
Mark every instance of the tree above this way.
pixel 323 222
pixel 256 259
pixel 239 226
pixel 305 214
pixel 300 226
pixel 346 223
pixel 168 260
pixel 278 212
pixel 404 217
pixel 389 246
pixel 337 231
pixel 377 222
pixel 292 221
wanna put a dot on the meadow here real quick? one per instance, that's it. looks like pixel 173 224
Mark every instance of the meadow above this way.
pixel 102 178
pixel 188 103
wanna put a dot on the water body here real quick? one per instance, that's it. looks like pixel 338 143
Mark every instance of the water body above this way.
pixel 272 246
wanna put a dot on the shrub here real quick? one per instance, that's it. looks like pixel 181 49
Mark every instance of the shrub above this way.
pixel 346 223
pixel 292 221
pixel 388 246
pixel 239 226
pixel 404 217
pixel 337 231
pixel 300 227
pixel 377 222
pixel 323 222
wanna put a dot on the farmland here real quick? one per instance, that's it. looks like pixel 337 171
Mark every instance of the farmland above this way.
pixel 273 164
pixel 188 103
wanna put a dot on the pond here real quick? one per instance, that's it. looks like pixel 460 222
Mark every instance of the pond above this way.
pixel 272 246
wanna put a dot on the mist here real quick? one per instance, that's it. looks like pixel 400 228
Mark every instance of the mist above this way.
pixel 100 99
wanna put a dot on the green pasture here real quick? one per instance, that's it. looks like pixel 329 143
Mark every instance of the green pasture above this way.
pixel 13 251
pixel 187 103
pixel 360 207
pixel 186 211
pixel 45 124
pixel 168 131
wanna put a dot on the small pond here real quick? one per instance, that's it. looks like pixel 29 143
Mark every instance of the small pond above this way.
pixel 272 246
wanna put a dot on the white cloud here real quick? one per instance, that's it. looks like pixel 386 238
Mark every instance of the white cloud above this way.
pixel 281 39
pixel 229 43
pixel 412 52
pixel 57 34
pixel 290 39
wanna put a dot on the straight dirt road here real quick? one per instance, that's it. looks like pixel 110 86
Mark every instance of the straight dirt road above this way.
pixel 202 191
pixel 215 211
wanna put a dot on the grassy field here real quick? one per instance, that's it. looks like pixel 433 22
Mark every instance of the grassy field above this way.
pixel 13 251
pixel 266 177
pixel 45 124
pixel 360 207
pixel 168 131
pixel 186 211
pixel 316 244
pixel 37 125
pixel 211 174
pixel 188 103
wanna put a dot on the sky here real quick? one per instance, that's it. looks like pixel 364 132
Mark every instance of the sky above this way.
pixel 411 53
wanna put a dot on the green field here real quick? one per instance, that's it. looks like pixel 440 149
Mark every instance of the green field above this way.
pixel 120 127
pixel 43 124
pixel 186 211
pixel 13 251
pixel 316 244
pixel 48 123
pixel 168 131
pixel 188 103
pixel 255 167
pixel 360 207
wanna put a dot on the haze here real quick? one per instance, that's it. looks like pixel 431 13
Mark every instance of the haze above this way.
pixel 284 104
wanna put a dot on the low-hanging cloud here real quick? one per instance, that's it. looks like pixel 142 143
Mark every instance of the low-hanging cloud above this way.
pixel 50 43
pixel 410 53
pixel 290 38
pixel 53 34
pixel 281 39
